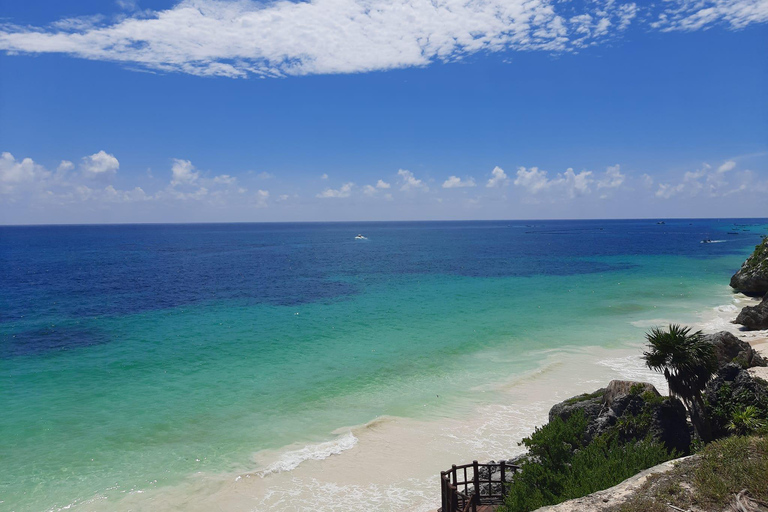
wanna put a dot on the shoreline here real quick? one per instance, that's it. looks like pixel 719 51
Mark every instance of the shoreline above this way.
pixel 393 462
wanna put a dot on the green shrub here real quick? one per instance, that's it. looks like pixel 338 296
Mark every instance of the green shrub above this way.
pixel 560 466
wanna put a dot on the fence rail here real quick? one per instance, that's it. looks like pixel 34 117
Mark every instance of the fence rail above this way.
pixel 464 488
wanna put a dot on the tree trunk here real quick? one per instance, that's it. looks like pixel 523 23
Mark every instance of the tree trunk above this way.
pixel 699 419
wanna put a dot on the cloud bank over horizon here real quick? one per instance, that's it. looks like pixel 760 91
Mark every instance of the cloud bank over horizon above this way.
pixel 244 38
pixel 529 192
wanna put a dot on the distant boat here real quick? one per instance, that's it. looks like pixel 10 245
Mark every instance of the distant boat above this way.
pixel 360 237
pixel 733 233
pixel 661 222
pixel 706 241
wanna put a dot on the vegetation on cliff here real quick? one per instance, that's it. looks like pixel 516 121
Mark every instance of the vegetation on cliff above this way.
pixel 726 472
pixel 752 277
pixel 565 462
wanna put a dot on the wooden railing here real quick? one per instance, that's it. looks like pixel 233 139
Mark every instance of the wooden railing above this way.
pixel 464 488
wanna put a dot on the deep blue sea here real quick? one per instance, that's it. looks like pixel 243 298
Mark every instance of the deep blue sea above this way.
pixel 133 356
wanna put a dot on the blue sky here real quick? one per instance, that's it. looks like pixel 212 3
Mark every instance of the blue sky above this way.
pixel 209 110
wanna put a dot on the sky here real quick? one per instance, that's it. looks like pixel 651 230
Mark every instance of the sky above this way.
pixel 346 110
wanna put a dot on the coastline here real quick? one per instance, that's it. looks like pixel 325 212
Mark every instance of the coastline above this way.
pixel 394 462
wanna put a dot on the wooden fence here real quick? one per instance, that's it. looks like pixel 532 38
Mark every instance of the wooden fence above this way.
pixel 465 488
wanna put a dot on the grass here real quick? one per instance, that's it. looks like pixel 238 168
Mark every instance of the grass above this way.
pixel 583 397
pixel 709 480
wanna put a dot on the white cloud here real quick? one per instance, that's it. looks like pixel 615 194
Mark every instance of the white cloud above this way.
pixel 665 191
pixel 100 164
pixel 456 182
pixel 242 38
pixel 225 179
pixel 128 5
pixel 410 182
pixel 709 181
pixel 111 194
pixel 382 185
pixel 65 166
pixel 687 15
pixel 647 180
pixel 569 182
pixel 344 191
pixel 260 198
pixel 727 166
pixel 14 173
pixel 183 172
pixel 324 177
pixel 612 178
pixel 498 178
pixel 265 175
pixel 369 190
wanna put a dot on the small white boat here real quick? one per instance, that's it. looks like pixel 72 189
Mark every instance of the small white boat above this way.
pixel 360 237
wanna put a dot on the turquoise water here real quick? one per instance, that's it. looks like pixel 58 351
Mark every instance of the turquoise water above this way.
pixel 110 385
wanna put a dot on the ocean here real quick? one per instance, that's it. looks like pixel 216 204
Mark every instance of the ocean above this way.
pixel 294 367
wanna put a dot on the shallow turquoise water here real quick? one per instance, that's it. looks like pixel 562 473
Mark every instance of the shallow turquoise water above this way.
pixel 165 391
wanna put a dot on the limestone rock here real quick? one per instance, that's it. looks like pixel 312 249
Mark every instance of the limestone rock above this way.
pixel 590 403
pixel 754 318
pixel 752 277
pixel 640 407
pixel 729 348
pixel 618 388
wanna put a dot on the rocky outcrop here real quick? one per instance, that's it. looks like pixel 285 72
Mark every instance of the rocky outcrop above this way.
pixel 590 403
pixel 754 318
pixel 752 277
pixel 640 408
pixel 730 349
pixel 732 389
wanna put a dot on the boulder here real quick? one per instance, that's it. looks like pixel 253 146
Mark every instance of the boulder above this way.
pixel 730 349
pixel 752 277
pixel 617 388
pixel 590 403
pixel 754 318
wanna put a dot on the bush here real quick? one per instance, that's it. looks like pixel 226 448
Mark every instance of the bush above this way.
pixel 560 466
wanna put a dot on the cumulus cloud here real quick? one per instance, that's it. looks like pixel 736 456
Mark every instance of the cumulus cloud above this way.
pixel 344 191
pixel 456 182
pixel 571 183
pixel 15 173
pixel 324 177
pixel 410 182
pixel 498 178
pixel 242 38
pixel 382 185
pixel 100 164
pixel 710 182
pixel 612 178
pixel 183 172
pixel 65 166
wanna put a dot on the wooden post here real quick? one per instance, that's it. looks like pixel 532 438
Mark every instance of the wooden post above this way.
pixel 503 479
pixel 476 479
pixel 443 492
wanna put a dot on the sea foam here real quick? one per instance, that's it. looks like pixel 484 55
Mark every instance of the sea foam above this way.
pixel 292 459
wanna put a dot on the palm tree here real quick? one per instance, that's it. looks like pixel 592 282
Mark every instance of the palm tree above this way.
pixel 687 362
